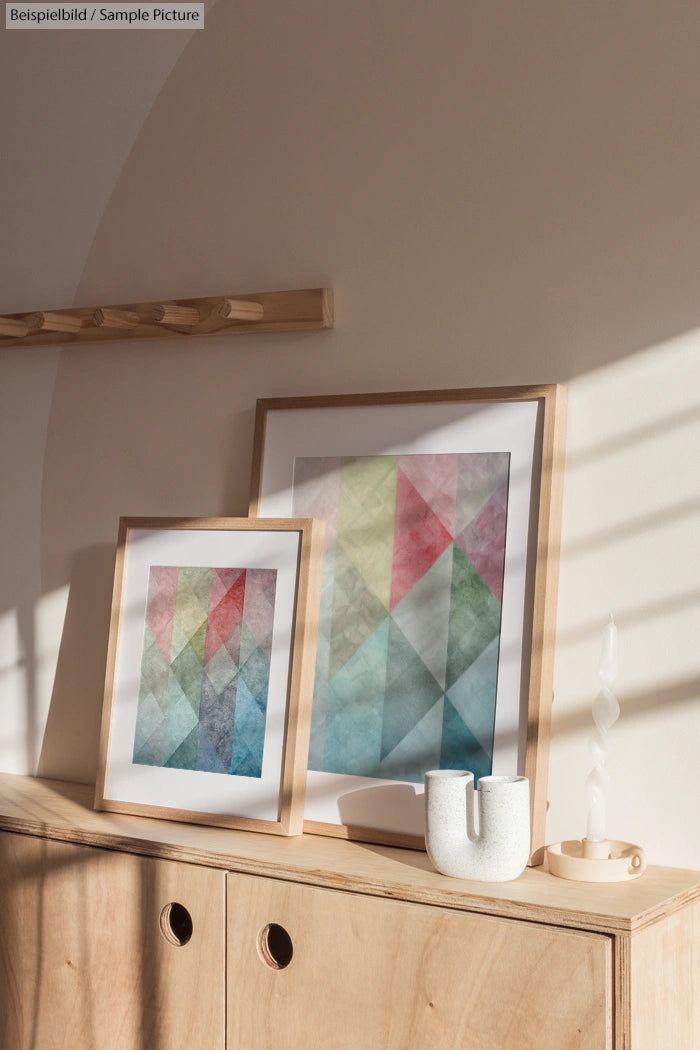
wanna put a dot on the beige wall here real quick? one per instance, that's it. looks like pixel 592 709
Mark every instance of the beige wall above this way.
pixel 499 194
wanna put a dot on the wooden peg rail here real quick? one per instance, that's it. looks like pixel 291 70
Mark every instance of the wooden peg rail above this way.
pixel 308 308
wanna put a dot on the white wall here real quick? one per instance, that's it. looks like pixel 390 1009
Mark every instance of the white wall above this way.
pixel 499 194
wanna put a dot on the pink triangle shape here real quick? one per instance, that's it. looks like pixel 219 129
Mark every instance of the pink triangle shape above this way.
pixel 160 606
pixel 484 540
pixel 436 478
pixel 260 603
pixel 225 609
pixel 419 539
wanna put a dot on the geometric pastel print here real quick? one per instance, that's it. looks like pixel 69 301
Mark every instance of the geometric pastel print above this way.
pixel 412 589
pixel 205 669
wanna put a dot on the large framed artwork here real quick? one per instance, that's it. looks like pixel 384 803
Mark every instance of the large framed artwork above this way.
pixel 437 619
pixel 210 671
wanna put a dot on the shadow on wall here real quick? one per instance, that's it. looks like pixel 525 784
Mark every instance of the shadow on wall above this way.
pixel 72 729
pixel 71 737
pixel 384 802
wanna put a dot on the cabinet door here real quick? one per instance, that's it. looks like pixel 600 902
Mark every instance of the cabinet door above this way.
pixel 97 952
pixel 310 967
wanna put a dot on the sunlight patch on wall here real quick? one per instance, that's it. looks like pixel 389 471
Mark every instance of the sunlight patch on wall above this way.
pixel 630 531
pixel 49 617
pixel 632 515
pixel 29 646
pixel 13 688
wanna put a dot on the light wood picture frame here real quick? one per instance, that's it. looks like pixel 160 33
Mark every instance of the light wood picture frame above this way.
pixel 210 671
pixel 480 474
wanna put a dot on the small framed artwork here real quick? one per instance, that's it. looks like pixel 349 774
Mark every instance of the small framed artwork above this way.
pixel 436 629
pixel 210 671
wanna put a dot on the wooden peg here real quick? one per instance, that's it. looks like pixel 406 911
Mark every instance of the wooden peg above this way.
pixel 171 313
pixel 298 310
pixel 44 321
pixel 241 310
pixel 107 317
pixel 12 328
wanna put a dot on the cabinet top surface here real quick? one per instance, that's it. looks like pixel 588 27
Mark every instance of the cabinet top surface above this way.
pixel 63 811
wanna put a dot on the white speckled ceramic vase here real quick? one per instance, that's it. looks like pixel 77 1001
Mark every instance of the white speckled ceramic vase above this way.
pixel 496 850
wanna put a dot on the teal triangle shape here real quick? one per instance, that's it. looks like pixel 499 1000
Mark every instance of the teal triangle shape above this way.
pixel 418 751
pixel 255 672
pixel 180 720
pixel 144 755
pixel 150 722
pixel 474 696
pixel 185 755
pixel 410 692
pixel 460 748
pixel 352 727
pixel 208 759
pixel 248 734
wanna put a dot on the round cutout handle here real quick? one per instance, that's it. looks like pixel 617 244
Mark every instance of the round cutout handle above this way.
pixel 275 946
pixel 176 924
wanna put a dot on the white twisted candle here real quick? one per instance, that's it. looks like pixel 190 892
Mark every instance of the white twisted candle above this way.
pixel 606 711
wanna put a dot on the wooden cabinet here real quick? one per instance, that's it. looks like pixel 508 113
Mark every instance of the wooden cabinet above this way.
pixel 93 954
pixel 367 972
pixel 133 933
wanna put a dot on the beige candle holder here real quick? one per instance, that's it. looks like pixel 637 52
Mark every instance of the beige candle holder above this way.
pixel 606 861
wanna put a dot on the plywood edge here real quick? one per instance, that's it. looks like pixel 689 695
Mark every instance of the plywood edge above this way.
pixel 664 970
pixel 63 811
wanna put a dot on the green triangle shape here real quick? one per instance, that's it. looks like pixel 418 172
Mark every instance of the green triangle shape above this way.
pixel 198 641
pixel 475 617
pixel 155 670
pixel 188 670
